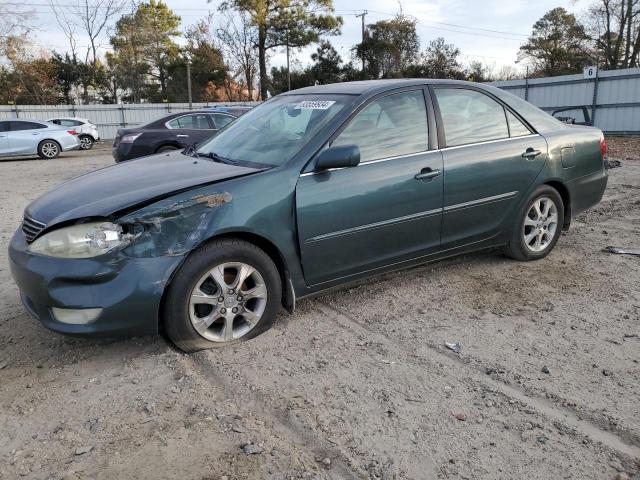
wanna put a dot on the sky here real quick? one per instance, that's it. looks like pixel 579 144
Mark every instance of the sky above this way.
pixel 489 30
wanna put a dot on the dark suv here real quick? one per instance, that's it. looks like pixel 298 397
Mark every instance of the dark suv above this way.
pixel 172 132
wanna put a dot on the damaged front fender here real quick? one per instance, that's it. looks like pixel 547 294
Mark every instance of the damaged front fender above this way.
pixel 173 226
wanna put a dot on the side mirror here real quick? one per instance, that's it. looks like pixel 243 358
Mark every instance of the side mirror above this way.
pixel 338 157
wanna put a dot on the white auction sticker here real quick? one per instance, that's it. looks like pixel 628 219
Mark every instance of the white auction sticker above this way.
pixel 315 104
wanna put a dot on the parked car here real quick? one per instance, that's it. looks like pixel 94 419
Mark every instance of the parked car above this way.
pixel 31 137
pixel 172 132
pixel 87 131
pixel 310 190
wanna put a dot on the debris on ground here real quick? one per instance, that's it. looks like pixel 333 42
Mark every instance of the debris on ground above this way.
pixel 83 450
pixel 455 347
pixel 622 250
pixel 251 449
pixel 545 369
pixel 609 164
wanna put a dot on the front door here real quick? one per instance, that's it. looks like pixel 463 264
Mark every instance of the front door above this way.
pixel 490 161
pixel 25 136
pixel 387 209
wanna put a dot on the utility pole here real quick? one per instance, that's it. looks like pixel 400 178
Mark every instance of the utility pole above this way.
pixel 288 71
pixel 363 14
pixel 189 82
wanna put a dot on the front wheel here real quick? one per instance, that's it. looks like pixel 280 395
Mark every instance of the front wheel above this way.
pixel 538 225
pixel 227 291
pixel 48 149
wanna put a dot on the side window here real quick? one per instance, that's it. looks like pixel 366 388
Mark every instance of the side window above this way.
pixel 17 126
pixel 68 123
pixel 191 122
pixel 4 126
pixel 390 126
pixel 56 121
pixel 470 117
pixel 221 120
pixel 516 127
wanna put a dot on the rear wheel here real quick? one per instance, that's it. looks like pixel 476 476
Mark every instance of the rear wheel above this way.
pixel 48 149
pixel 166 148
pixel 86 142
pixel 538 226
pixel 226 292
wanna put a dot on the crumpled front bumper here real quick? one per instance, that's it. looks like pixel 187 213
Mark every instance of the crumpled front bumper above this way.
pixel 127 289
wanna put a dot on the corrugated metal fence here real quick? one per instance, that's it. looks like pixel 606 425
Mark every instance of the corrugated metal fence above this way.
pixel 611 99
pixel 108 118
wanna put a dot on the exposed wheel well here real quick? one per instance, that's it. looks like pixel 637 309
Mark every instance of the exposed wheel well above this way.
pixel 566 200
pixel 288 300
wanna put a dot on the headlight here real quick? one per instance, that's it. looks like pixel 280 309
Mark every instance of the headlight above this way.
pixel 130 138
pixel 84 240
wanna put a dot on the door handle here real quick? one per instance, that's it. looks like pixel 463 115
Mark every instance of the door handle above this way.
pixel 182 136
pixel 427 174
pixel 531 153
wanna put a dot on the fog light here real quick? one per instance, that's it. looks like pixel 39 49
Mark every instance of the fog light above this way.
pixel 76 316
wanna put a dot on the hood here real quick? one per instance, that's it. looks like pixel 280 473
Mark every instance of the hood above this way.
pixel 121 186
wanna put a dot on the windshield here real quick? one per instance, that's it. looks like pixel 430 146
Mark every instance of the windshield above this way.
pixel 272 133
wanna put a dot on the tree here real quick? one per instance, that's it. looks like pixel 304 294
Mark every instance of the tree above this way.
pixel 299 79
pixel 615 30
pixel 440 60
pixel 558 44
pixel 389 47
pixel 208 70
pixel 296 23
pixel 144 48
pixel 326 64
pixel 237 40
pixel 478 72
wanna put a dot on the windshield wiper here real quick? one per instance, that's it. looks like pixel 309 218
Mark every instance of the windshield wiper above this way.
pixel 217 158
pixel 191 151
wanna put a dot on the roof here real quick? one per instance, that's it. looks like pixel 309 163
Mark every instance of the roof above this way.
pixel 370 86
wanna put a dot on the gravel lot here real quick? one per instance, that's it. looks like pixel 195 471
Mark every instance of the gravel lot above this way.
pixel 358 383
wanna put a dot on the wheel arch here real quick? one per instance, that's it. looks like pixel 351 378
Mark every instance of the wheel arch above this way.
pixel 167 143
pixel 288 295
pixel 566 200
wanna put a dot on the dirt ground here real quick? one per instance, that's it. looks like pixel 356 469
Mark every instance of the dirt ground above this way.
pixel 357 383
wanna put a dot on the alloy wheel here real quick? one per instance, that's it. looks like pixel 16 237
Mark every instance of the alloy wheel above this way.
pixel 49 149
pixel 540 224
pixel 86 143
pixel 227 302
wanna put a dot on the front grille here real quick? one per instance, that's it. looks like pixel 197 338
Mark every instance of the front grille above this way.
pixel 31 228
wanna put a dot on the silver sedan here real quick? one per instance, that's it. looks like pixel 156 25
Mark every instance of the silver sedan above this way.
pixel 29 137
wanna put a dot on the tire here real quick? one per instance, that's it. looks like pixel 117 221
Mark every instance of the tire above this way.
pixel 534 236
pixel 86 142
pixel 198 310
pixel 166 148
pixel 48 149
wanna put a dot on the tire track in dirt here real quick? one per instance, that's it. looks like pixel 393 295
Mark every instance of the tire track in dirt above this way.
pixel 300 435
pixel 564 416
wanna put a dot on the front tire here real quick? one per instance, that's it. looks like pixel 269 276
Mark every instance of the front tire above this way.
pixel 48 149
pixel 226 292
pixel 538 225
pixel 86 142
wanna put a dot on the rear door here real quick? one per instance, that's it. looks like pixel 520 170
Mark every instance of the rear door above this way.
pixel 491 158
pixel 192 128
pixel 386 210
pixel 25 136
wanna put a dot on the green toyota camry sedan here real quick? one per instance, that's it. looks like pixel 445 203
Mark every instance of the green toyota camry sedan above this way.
pixel 312 189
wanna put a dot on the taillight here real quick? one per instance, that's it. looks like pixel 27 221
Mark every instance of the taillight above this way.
pixel 603 147
pixel 72 132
